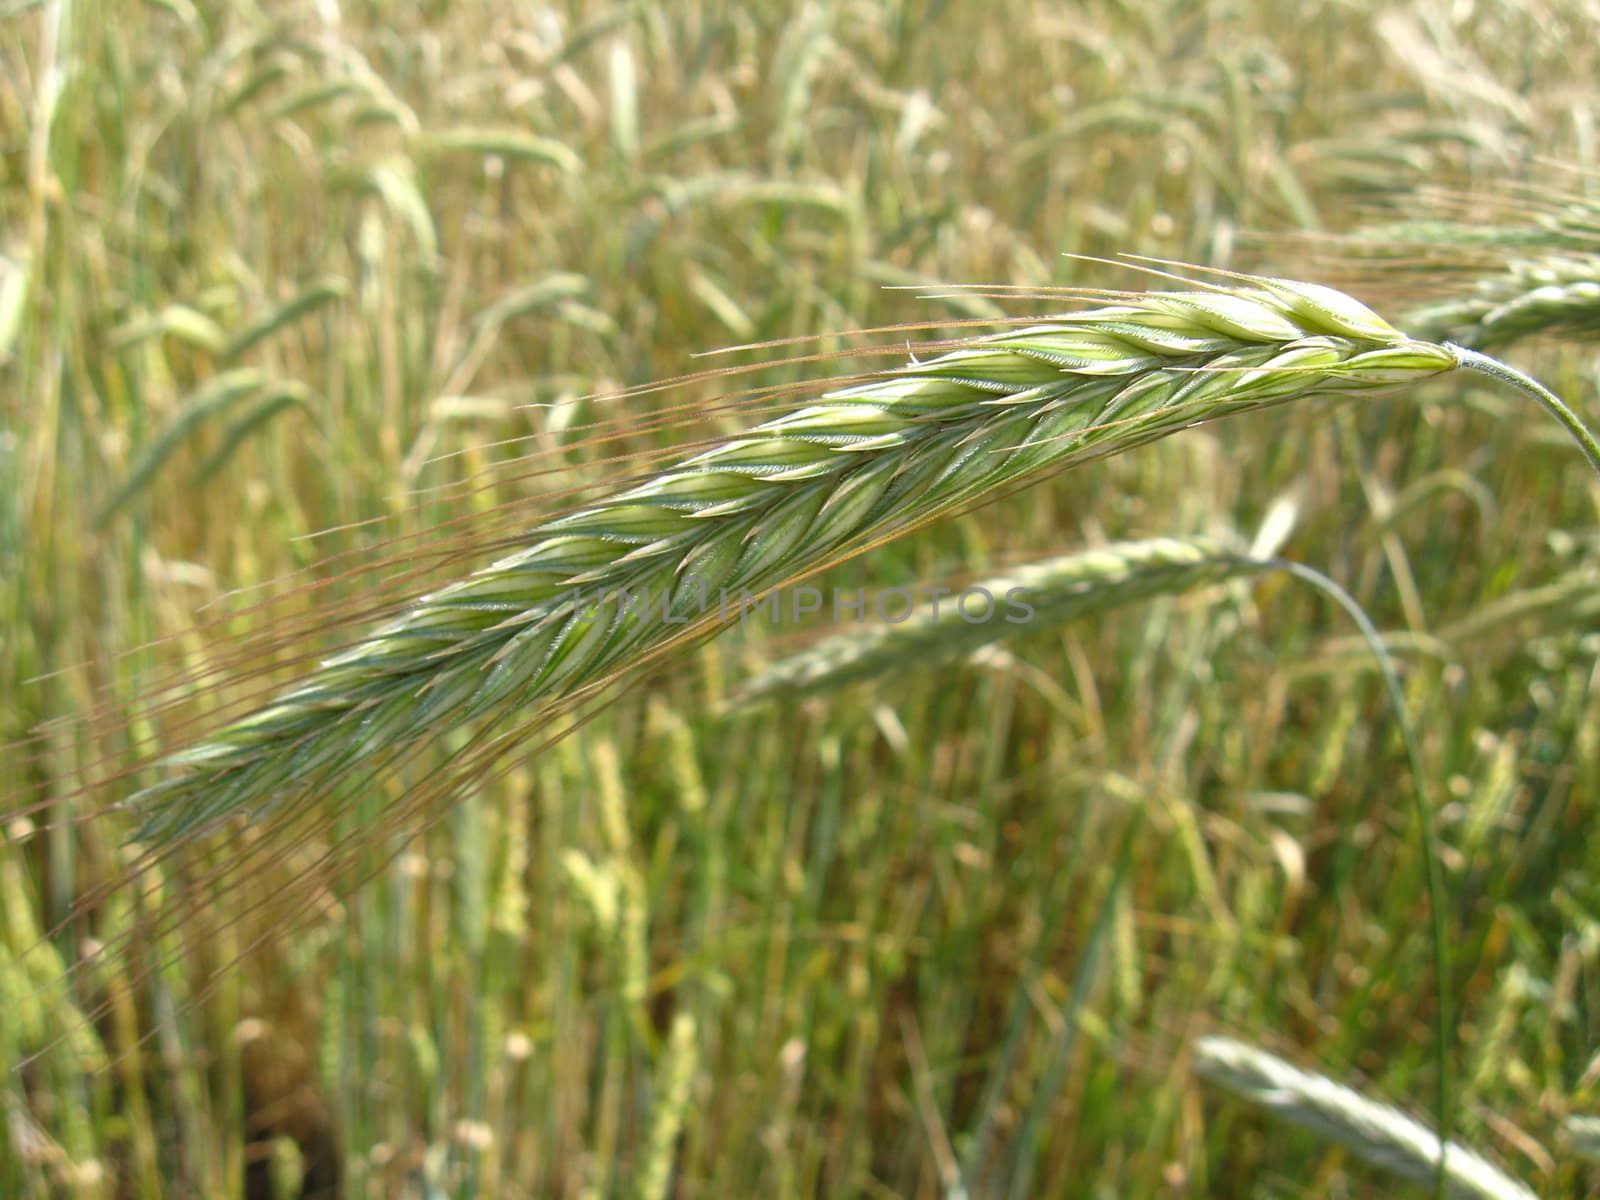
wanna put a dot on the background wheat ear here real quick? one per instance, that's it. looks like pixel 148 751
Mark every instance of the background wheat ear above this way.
pixel 1539 297
pixel 1376 1133
pixel 1027 600
pixel 1583 1136
pixel 860 464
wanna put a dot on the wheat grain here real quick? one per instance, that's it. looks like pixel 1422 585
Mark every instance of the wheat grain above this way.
pixel 1376 1133
pixel 862 463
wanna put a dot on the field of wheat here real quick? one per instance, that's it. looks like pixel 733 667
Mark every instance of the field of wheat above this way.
pixel 884 598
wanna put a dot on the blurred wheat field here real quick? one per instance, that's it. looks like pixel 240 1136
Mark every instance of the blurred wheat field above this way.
pixel 291 293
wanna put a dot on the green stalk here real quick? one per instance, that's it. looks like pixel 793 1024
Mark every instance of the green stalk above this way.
pixel 1471 360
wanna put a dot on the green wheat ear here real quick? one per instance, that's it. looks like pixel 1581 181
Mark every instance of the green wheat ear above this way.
pixel 1051 592
pixel 860 463
pixel 1529 298
pixel 1379 1135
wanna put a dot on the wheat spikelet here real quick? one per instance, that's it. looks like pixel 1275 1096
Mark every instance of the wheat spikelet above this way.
pixel 1480 268
pixel 1047 593
pixel 599 589
pixel 1558 294
pixel 1375 1133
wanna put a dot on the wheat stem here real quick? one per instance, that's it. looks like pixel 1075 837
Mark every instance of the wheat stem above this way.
pixel 1432 875
pixel 1471 360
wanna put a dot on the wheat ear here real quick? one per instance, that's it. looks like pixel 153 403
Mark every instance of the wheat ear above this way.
pixel 1031 598
pixel 1582 1134
pixel 862 463
pixel 1377 1134
pixel 1530 297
